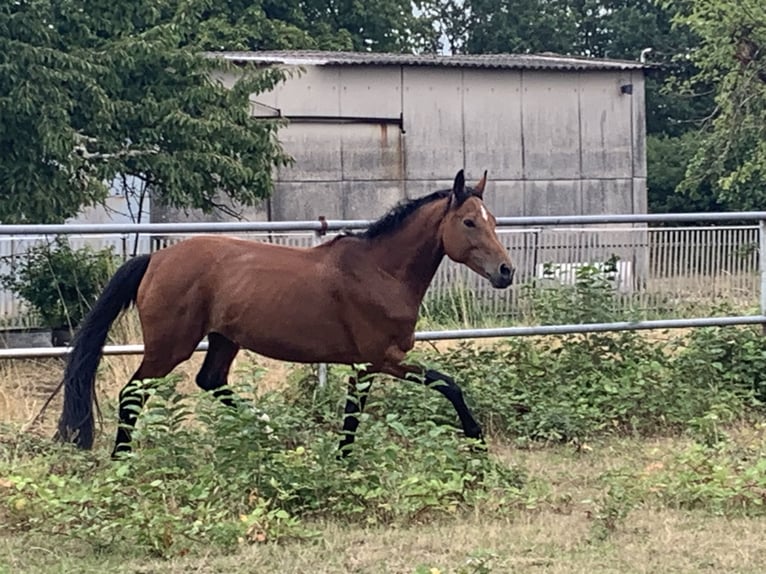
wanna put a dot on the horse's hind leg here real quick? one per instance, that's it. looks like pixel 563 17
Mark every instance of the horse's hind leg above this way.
pixel 156 364
pixel 215 370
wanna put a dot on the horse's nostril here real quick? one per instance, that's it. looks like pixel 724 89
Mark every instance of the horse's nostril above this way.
pixel 505 271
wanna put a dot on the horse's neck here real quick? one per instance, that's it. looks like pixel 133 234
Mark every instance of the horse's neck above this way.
pixel 413 253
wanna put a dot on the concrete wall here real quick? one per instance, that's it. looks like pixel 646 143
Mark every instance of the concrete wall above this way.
pixel 555 143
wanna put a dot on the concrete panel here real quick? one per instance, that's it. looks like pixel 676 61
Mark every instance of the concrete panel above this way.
pixel 550 125
pixel 262 104
pixel 640 199
pixel 605 125
pixel 370 200
pixel 316 149
pixel 371 91
pixel 492 122
pixel 505 198
pixel 307 201
pixel 419 188
pixel 607 196
pixel 371 152
pixel 315 92
pixel 164 214
pixel 433 105
pixel 256 213
pixel 639 125
pixel 552 198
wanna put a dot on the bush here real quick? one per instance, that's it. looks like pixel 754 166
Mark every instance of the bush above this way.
pixel 592 298
pixel 253 474
pixel 60 283
pixel 576 387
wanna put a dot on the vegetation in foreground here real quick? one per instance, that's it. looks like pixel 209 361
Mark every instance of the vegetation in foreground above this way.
pixel 208 479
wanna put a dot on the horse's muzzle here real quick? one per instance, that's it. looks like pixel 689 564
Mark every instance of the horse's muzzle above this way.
pixel 503 277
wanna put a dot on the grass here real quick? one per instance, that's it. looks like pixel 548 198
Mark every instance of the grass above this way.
pixel 557 537
pixel 557 533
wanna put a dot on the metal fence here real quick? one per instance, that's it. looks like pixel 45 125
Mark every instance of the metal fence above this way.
pixel 660 270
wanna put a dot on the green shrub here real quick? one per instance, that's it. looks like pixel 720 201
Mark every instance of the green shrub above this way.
pixel 267 470
pixel 726 479
pixel 592 298
pixel 60 283
pixel 253 474
pixel 575 387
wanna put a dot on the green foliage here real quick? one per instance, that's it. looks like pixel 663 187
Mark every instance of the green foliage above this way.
pixel 377 25
pixel 48 96
pixel 476 563
pixel 591 298
pixel 731 149
pixel 576 387
pixel 112 95
pixel 667 159
pixel 612 508
pixel 456 306
pixel 719 479
pixel 725 479
pixel 253 474
pixel 735 357
pixel 60 283
pixel 266 471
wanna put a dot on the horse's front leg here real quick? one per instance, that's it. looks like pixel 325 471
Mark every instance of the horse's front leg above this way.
pixel 446 385
pixel 358 390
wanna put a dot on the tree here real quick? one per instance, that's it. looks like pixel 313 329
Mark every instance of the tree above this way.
pixel 95 90
pixel 177 135
pixel 524 26
pixel 373 25
pixel 731 152
pixel 49 98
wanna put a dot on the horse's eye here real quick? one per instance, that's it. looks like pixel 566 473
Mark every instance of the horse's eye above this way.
pixel 469 223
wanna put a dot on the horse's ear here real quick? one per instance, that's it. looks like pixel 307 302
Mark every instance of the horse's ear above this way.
pixel 479 189
pixel 459 192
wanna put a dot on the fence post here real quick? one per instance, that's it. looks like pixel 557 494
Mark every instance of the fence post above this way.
pixel 762 266
pixel 322 372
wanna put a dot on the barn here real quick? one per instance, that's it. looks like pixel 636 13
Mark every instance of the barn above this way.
pixel 558 135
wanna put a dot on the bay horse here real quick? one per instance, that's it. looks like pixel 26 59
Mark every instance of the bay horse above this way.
pixel 351 300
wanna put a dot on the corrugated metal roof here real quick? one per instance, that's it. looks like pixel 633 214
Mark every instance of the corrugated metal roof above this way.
pixel 544 61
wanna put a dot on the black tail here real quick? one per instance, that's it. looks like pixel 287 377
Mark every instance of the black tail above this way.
pixel 76 423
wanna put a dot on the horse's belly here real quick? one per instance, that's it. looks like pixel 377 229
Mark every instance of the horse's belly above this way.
pixel 301 347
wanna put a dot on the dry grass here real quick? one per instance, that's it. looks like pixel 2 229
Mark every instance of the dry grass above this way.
pixel 25 385
pixel 664 541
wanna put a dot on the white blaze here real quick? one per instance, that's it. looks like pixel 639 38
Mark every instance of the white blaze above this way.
pixel 484 213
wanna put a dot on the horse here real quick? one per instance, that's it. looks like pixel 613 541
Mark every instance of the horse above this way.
pixel 352 300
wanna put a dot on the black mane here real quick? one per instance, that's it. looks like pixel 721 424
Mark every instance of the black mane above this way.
pixel 398 214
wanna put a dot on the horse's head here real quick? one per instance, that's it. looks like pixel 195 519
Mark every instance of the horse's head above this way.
pixel 468 234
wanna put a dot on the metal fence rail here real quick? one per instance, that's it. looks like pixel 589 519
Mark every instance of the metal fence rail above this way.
pixel 659 269
pixel 455 334
pixel 339 225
